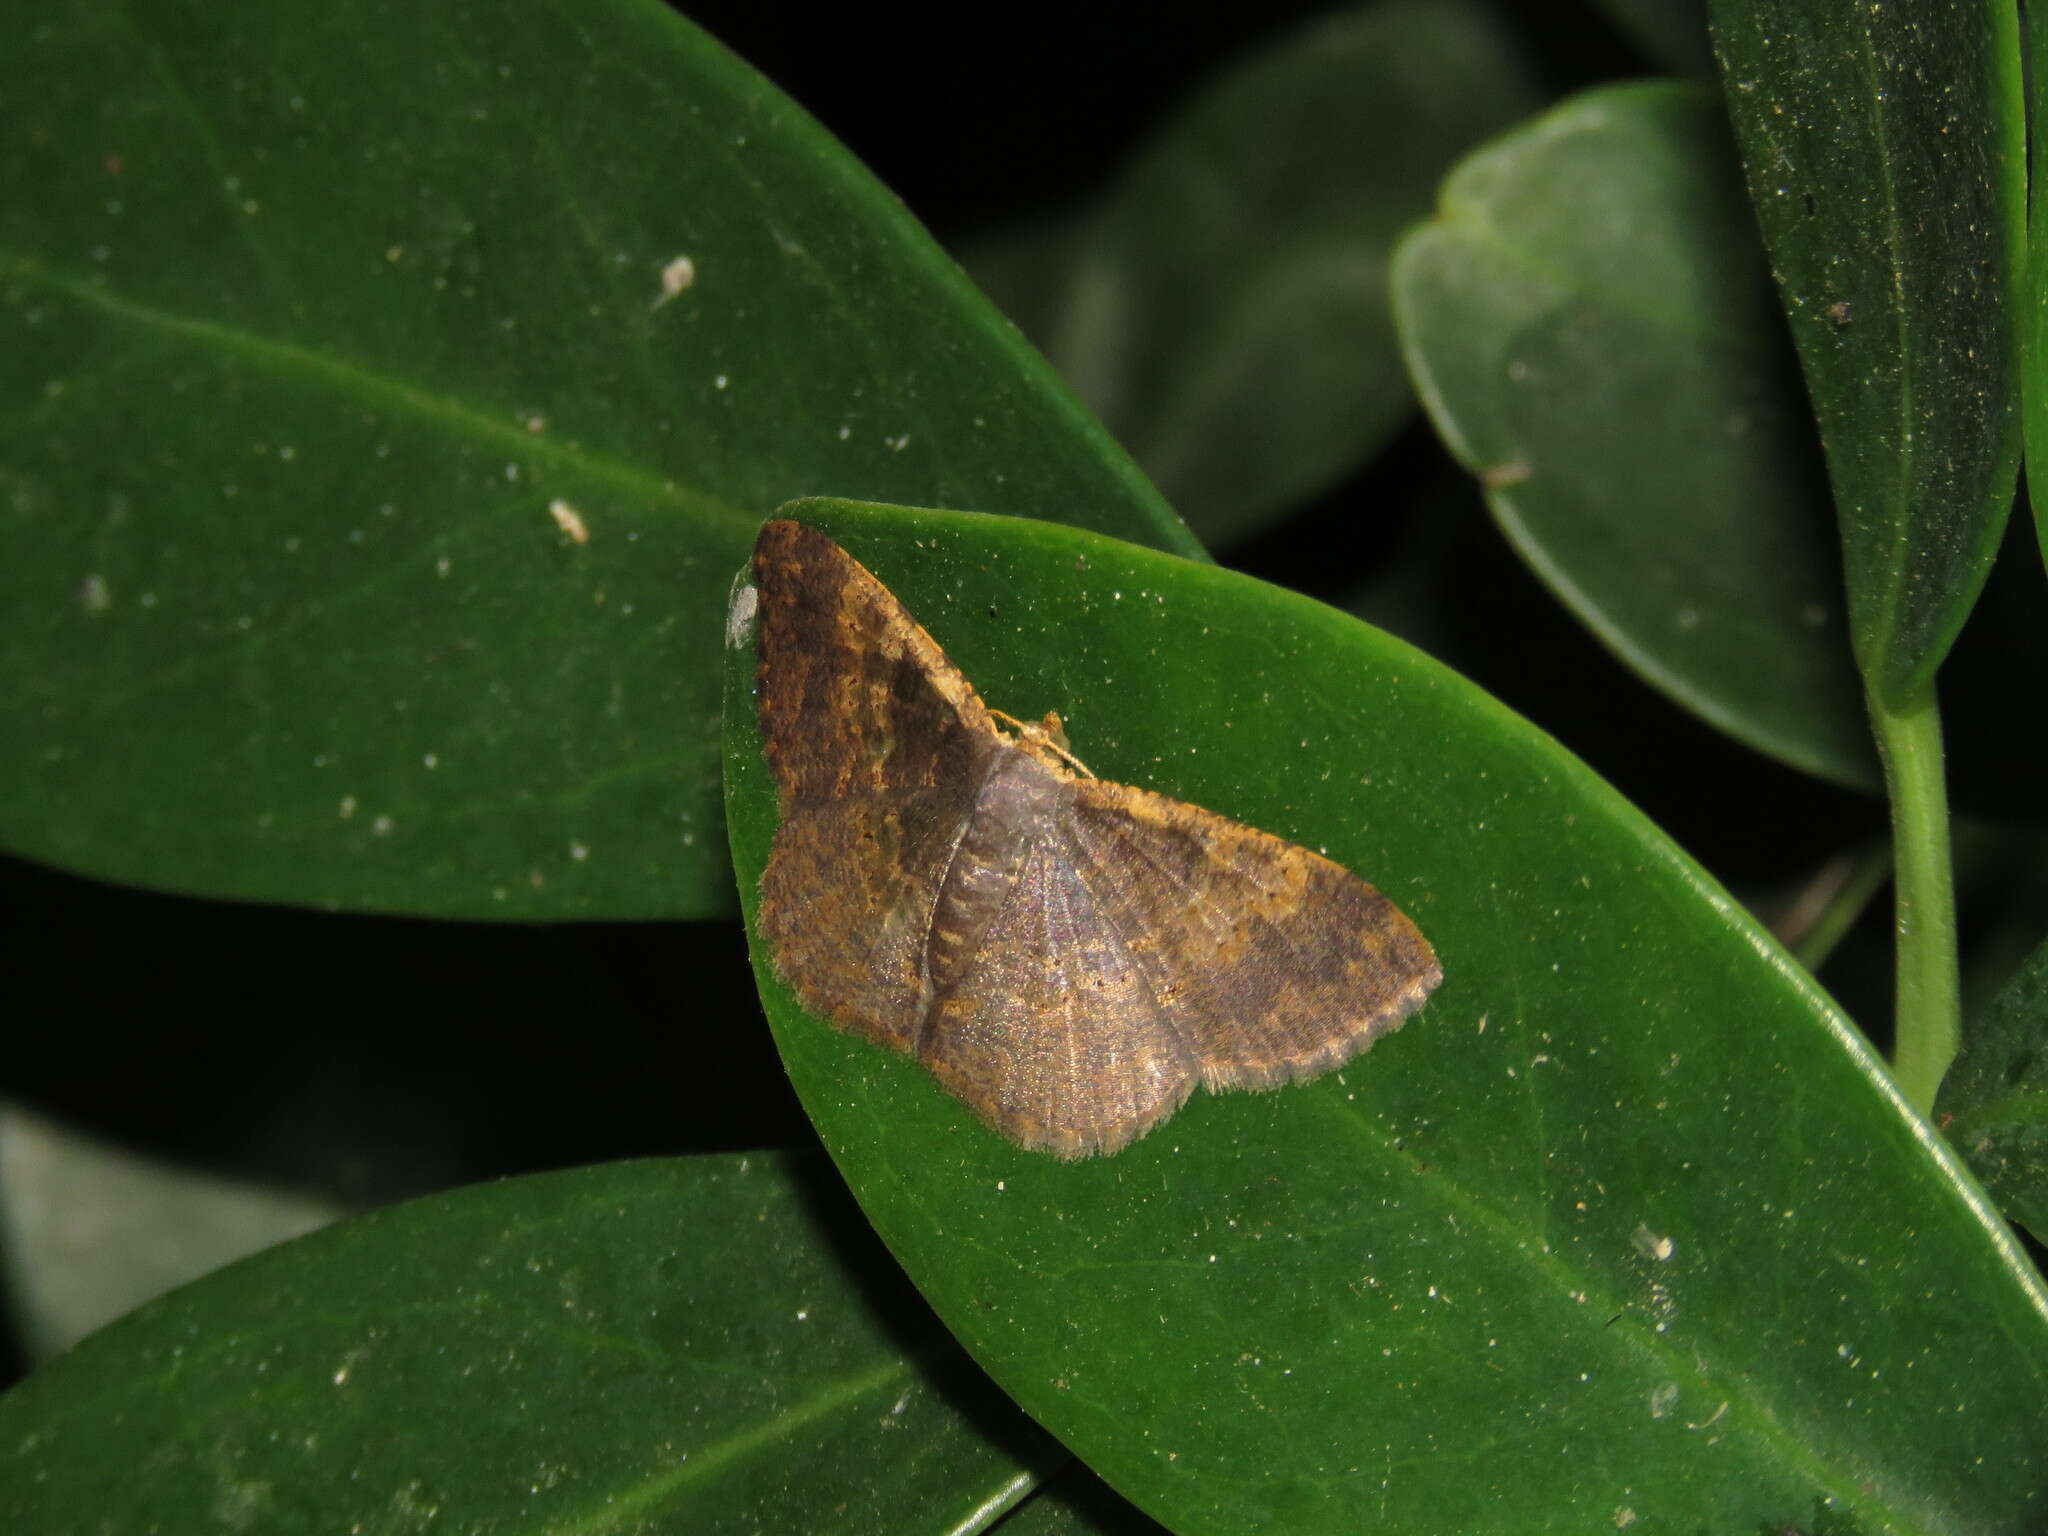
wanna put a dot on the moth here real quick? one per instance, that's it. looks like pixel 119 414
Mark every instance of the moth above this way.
pixel 1068 957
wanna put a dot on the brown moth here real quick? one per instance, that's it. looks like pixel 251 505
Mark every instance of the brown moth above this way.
pixel 1068 957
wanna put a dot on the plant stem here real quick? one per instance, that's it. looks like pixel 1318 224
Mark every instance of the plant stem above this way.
pixel 1928 1006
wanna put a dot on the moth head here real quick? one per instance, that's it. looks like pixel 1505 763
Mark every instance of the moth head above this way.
pixel 1045 740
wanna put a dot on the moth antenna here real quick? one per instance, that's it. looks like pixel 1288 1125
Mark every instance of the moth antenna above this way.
pixel 1047 733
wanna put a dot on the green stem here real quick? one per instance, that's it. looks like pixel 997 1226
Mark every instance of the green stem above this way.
pixel 1929 1006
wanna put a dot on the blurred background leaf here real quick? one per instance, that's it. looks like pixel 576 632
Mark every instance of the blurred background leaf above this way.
pixel 89 1231
pixel 1531 1220
pixel 1587 320
pixel 1224 307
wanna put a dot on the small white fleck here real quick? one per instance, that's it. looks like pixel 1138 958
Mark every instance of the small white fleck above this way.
pixel 739 614
pixel 675 277
pixel 431 760
pixel 381 827
pixel 578 852
pixel 569 520
pixel 93 595
pixel 348 806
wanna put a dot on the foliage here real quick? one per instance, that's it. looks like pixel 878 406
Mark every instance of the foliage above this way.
pixel 391 404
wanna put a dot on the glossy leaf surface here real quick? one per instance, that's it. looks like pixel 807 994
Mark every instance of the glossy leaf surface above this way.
pixel 2034 309
pixel 387 394
pixel 1617 1225
pixel 1588 322
pixel 1884 150
pixel 678 1346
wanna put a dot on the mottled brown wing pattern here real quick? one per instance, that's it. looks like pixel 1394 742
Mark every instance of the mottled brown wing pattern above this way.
pixel 1273 963
pixel 875 741
pixel 1068 957
pixel 1052 1035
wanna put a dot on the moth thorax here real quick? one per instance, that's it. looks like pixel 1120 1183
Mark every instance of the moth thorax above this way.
pixel 1014 808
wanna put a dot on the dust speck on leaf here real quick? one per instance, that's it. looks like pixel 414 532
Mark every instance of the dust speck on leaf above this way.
pixel 676 276
pixel 1653 1245
pixel 569 520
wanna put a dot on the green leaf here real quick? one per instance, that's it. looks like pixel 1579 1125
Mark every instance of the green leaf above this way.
pixel 1587 323
pixel 1077 1503
pixel 695 1345
pixel 1884 149
pixel 1628 1221
pixel 1994 1101
pixel 2034 329
pixel 1227 315
pixel 323 328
